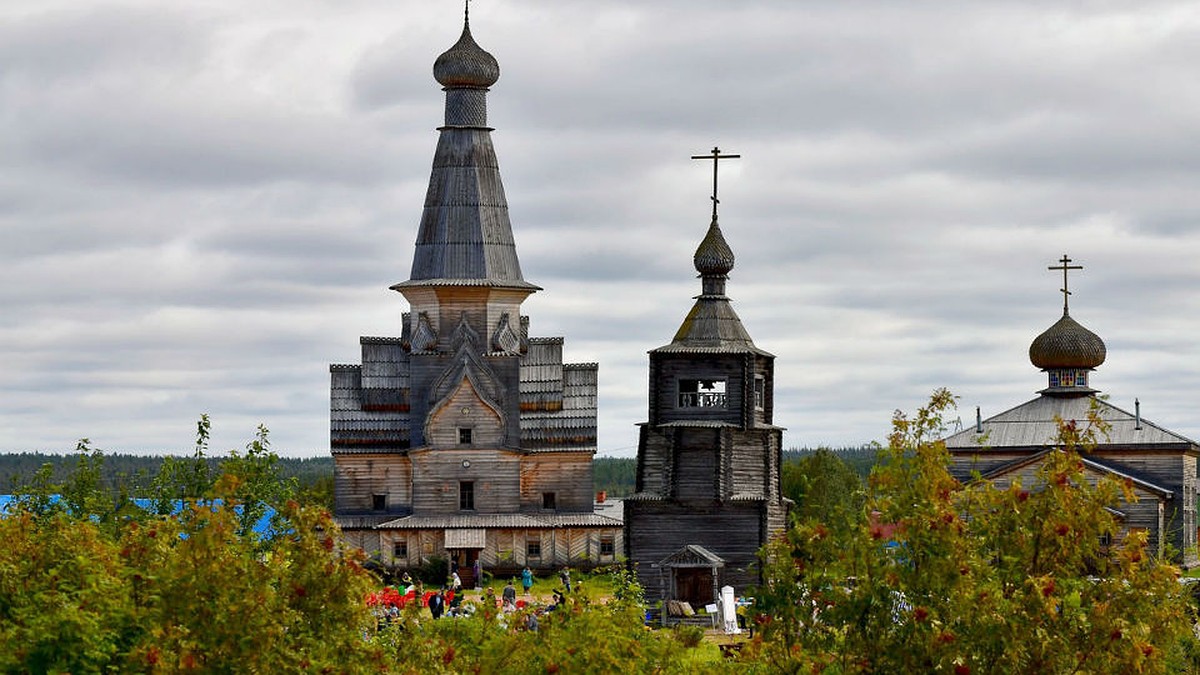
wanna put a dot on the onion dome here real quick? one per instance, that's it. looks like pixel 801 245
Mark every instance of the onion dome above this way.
pixel 713 255
pixel 1067 344
pixel 466 64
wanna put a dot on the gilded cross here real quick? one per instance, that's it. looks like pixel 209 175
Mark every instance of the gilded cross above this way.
pixel 1066 265
pixel 715 156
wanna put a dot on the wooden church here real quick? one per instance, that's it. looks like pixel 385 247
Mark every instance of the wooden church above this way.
pixel 708 492
pixel 464 437
pixel 1158 464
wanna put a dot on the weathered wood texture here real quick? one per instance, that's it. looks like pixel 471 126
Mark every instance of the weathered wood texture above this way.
pixel 668 371
pixel 1170 468
pixel 464 411
pixel 752 463
pixel 655 465
pixel 358 478
pixel 696 467
pixel 1147 512
pixel 367 540
pixel 438 475
pixel 655 530
pixel 568 476
pixel 507 551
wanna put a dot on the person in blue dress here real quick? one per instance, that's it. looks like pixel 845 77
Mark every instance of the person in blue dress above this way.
pixel 526 580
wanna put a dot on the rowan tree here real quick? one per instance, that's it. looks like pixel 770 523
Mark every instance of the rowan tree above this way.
pixel 942 577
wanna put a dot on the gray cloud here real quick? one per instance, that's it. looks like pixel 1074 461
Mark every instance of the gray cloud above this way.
pixel 203 206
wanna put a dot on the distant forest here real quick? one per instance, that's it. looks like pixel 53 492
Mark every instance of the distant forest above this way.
pixel 614 475
pixel 136 471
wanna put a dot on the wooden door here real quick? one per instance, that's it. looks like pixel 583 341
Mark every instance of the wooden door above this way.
pixel 694 585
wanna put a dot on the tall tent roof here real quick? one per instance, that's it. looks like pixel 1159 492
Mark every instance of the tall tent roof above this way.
pixel 465 236
pixel 712 325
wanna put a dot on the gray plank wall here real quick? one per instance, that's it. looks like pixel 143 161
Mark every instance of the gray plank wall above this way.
pixel 1172 470
pixel 1146 513
pixel 359 476
pixel 664 385
pixel 695 470
pixel 465 410
pixel 655 530
pixel 506 550
pixel 752 463
pixel 654 461
pixel 437 473
pixel 567 474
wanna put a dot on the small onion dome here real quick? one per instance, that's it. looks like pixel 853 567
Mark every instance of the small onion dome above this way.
pixel 713 255
pixel 1067 344
pixel 466 64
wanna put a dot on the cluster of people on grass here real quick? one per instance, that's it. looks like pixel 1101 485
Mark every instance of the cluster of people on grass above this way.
pixel 388 603
pixel 448 600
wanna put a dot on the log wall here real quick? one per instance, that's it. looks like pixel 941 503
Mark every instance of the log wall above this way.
pixel 655 530
pixel 357 478
pixel 567 474
pixel 437 474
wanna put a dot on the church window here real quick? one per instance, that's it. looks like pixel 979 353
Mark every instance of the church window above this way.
pixel 466 495
pixel 607 546
pixel 548 500
pixel 378 502
pixel 464 436
pixel 400 549
pixel 533 546
pixel 702 393
pixel 760 392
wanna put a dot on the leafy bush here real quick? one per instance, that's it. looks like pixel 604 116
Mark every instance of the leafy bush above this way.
pixel 688 636
pixel 939 577
pixel 434 572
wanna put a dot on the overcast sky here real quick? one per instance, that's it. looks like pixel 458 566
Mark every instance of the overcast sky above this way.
pixel 204 202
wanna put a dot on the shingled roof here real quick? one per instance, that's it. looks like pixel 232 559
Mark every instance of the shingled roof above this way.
pixel 712 325
pixel 1032 424
pixel 465 237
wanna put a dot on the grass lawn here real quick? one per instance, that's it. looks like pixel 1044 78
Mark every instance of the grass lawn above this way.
pixel 596 587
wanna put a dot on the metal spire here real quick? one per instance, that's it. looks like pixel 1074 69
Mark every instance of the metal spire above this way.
pixel 1066 265
pixel 715 156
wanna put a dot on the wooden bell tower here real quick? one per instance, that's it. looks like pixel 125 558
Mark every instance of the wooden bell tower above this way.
pixel 708 474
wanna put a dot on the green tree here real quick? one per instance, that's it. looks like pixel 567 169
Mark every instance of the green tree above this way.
pixel 84 590
pixel 579 637
pixel 64 595
pixel 824 488
pixel 181 479
pixel 254 482
pixel 938 577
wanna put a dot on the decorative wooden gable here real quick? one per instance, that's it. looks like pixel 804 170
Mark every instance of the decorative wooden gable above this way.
pixel 464 418
pixel 1147 511
pixel 692 555
pixel 466 400
pixel 1026 470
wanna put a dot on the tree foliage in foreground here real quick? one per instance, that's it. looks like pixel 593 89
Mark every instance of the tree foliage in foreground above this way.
pixel 914 574
pixel 823 486
pixel 89 582
pixel 580 636
pixel 938 577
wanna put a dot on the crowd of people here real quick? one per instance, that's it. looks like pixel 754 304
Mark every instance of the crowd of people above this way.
pixel 448 600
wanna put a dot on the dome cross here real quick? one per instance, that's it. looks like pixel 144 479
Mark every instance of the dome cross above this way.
pixel 1066 265
pixel 715 156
